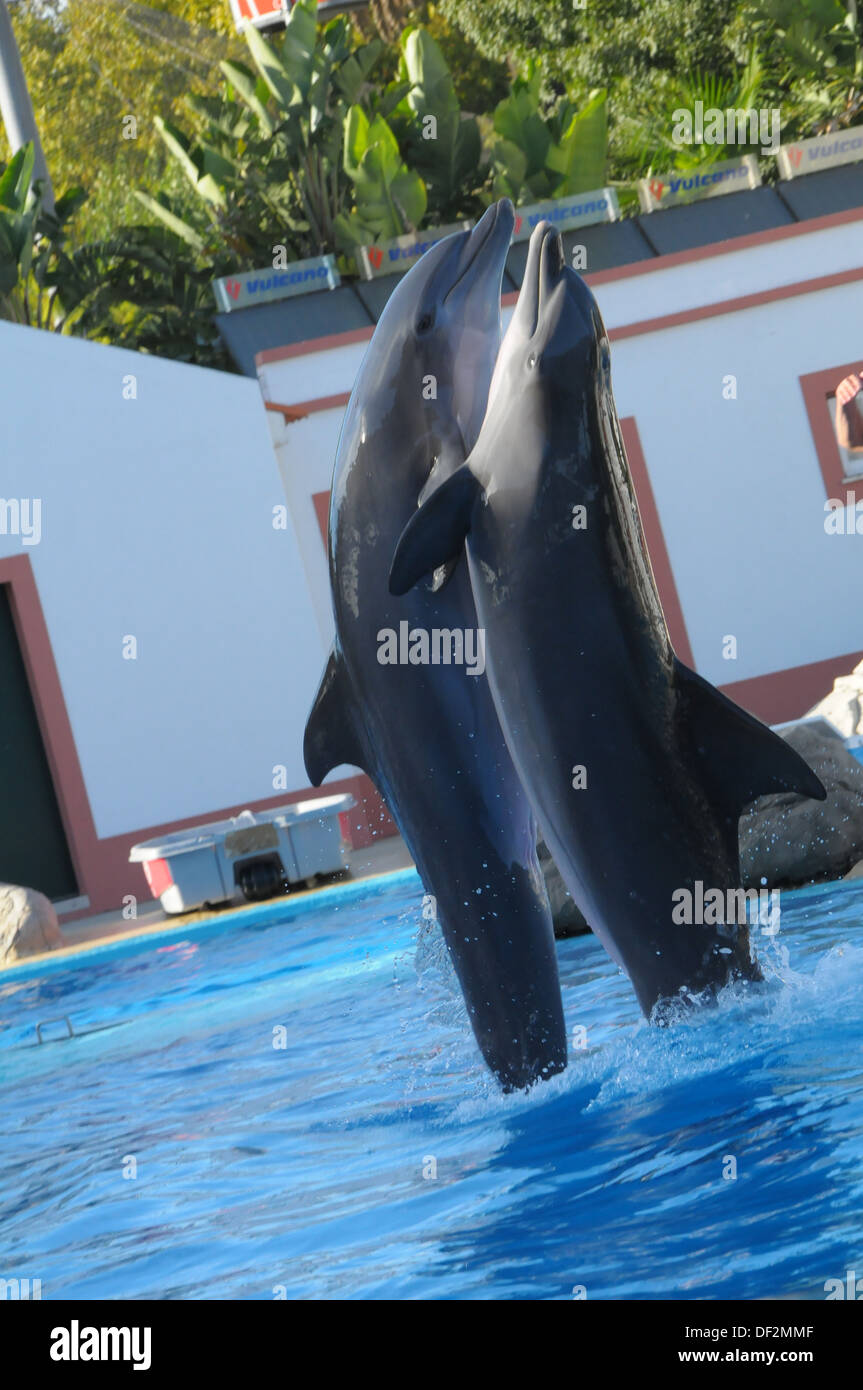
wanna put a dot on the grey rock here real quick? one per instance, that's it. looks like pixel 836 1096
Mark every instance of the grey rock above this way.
pixel 789 839
pixel 568 919
pixel 28 924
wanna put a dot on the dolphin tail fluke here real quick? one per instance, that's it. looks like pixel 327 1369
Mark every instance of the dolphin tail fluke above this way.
pixel 742 758
pixel 435 532
pixel 330 739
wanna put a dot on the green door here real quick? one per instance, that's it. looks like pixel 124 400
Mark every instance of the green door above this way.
pixel 33 848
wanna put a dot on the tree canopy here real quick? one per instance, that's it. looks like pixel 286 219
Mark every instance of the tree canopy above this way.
pixel 92 63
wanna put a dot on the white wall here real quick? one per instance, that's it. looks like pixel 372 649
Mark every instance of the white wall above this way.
pixel 785 260
pixel 306 451
pixel 737 482
pixel 157 522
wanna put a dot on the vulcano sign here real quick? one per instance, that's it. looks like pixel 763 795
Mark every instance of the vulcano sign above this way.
pixel 821 152
pixel 727 176
pixel 398 255
pixel 578 210
pixel 259 286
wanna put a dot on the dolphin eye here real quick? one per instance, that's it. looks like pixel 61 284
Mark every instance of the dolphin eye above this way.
pixel 425 323
pixel 531 359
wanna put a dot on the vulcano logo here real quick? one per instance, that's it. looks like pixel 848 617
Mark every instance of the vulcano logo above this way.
pixel 76 1343
pixel 283 279
pixel 566 214
pixel 812 155
pixel 687 184
pixel 279 281
pixel 397 255
pixel 723 177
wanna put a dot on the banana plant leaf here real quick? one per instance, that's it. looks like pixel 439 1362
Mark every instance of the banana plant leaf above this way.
pixel 159 208
pixel 202 166
pixel 579 158
pixel 390 198
pixel 509 170
pixel 247 87
pixel 354 71
pixel 16 179
pixel 518 119
pixel 444 147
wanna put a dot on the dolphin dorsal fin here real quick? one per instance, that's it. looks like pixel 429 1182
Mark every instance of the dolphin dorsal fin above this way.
pixel 435 532
pixel 330 739
pixel 741 758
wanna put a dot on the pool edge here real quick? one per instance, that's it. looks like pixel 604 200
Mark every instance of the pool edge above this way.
pixel 130 943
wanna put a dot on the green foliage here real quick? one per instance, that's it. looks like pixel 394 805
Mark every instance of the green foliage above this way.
pixel 136 289
pixel 653 56
pixel 273 158
pixel 818 49
pixel 600 45
pixel 642 53
pixel 32 242
pixel 440 143
pixel 318 139
pixel 90 65
pixel 655 149
pixel 19 208
pixel 140 289
pixel 390 198
pixel 539 156
pixel 480 82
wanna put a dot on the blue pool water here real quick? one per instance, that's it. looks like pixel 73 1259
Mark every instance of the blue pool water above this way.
pixel 371 1156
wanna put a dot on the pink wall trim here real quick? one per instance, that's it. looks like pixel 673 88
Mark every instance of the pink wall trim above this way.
pixel 783 695
pixel 816 388
pixel 54 726
pixel 655 540
pixel 736 306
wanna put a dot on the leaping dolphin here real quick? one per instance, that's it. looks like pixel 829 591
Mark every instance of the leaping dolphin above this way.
pixel 636 767
pixel 427 734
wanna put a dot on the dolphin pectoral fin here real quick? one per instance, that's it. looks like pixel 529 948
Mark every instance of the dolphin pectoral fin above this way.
pixel 330 739
pixel 435 532
pixel 742 758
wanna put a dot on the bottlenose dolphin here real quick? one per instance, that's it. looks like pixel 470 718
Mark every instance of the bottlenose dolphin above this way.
pixel 427 734
pixel 636 767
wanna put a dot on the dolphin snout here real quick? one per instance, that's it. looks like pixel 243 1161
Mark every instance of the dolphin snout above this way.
pixel 486 246
pixel 545 266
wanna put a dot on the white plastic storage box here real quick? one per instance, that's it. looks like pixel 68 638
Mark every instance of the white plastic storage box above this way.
pixel 251 857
